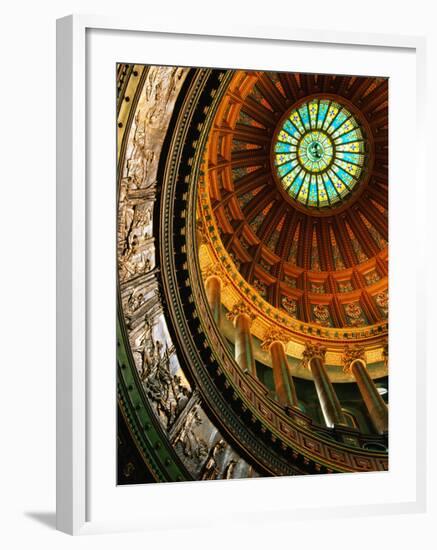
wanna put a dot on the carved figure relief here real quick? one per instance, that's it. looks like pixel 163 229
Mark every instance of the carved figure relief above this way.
pixel 193 446
pixel 211 469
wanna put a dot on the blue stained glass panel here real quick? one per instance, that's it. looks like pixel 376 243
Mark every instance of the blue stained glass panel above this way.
pixel 313 192
pixel 303 111
pixel 319 153
pixel 323 107
pixel 281 147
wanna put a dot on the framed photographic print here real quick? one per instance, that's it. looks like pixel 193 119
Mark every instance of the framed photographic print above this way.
pixel 231 223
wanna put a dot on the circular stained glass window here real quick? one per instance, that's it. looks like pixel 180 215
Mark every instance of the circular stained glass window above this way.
pixel 319 153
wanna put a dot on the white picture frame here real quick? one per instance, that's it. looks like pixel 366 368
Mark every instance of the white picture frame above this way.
pixel 75 206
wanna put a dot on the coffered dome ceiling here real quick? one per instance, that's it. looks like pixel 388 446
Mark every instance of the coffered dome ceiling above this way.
pixel 297 179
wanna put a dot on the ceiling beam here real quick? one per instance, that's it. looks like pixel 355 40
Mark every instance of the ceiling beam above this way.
pixel 379 194
pixel 291 86
pixel 291 232
pixel 271 221
pixel 259 113
pixel 326 245
pixel 343 243
pixel 305 241
pixel 370 309
pixel 375 98
pixel 362 234
pixel 259 202
pixel 340 317
pixel 251 134
pixel 271 93
pixel 356 91
pixel 254 157
pixel 375 217
pixel 341 84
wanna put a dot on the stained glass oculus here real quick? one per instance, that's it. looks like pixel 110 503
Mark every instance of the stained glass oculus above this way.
pixel 319 153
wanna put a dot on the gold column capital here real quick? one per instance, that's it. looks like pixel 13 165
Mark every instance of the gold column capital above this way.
pixel 274 335
pixel 240 308
pixel 312 349
pixel 351 354
pixel 214 270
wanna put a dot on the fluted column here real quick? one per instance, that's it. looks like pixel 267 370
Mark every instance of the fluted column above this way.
pixel 214 283
pixel 242 317
pixel 275 343
pixel 354 362
pixel 213 287
pixel 314 359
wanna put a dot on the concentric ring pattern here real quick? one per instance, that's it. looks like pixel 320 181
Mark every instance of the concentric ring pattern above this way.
pixel 319 153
